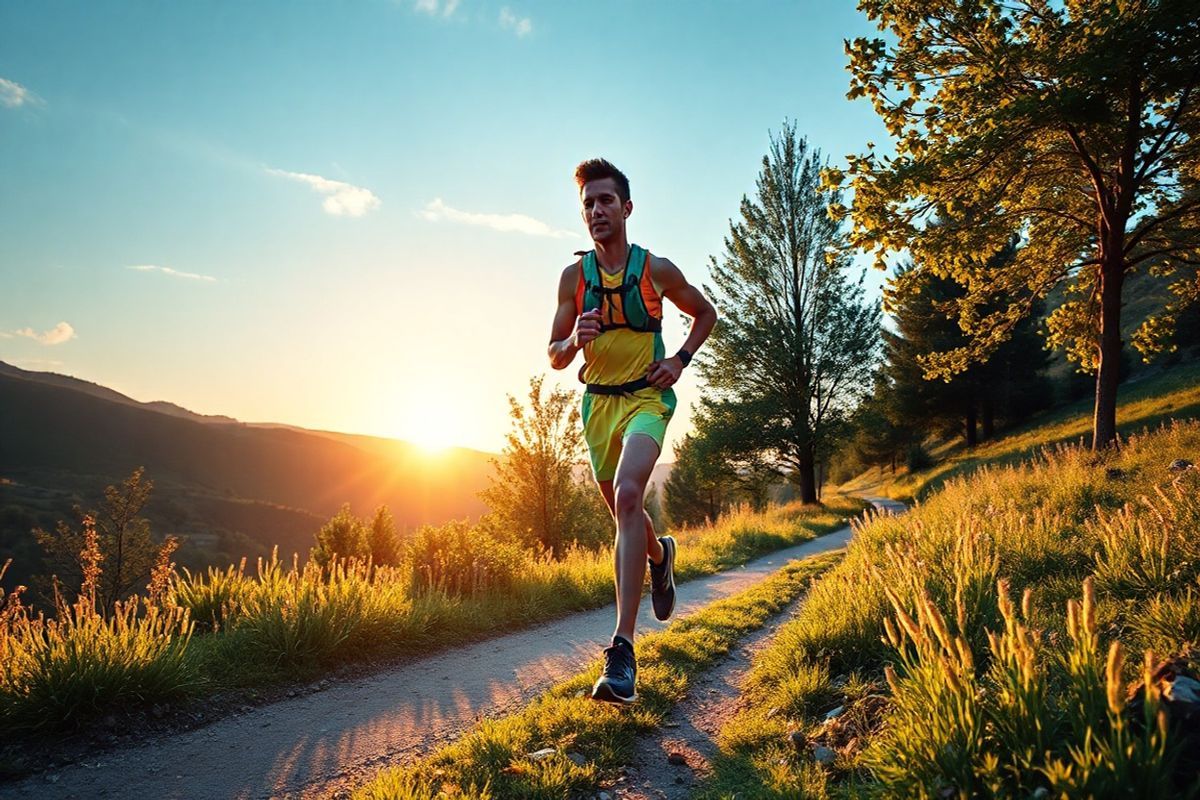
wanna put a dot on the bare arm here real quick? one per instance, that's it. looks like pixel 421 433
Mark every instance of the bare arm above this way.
pixel 691 301
pixel 570 333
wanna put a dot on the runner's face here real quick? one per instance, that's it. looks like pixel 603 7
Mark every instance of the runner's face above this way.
pixel 603 212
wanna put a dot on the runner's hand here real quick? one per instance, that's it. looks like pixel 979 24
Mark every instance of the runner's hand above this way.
pixel 587 327
pixel 663 374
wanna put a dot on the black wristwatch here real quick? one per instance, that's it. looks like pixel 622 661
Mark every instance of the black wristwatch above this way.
pixel 684 356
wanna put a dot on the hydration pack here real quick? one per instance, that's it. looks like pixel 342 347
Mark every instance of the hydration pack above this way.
pixel 626 298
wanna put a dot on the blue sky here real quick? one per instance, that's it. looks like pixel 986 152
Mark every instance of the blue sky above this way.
pixel 353 215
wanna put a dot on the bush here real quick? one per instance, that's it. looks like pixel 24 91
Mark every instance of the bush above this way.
pixel 918 458
pixel 461 559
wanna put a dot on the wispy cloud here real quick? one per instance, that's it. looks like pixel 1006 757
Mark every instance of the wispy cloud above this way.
pixel 341 199
pixel 437 8
pixel 191 276
pixel 521 26
pixel 437 211
pixel 62 332
pixel 14 95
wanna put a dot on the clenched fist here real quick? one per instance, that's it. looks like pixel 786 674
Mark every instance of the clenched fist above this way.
pixel 587 327
pixel 663 374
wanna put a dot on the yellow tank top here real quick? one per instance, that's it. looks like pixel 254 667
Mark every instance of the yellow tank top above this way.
pixel 622 355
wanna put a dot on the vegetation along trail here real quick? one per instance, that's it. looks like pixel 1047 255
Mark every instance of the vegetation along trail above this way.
pixel 315 744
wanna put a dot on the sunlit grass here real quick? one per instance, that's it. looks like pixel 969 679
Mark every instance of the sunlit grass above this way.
pixel 1147 402
pixel 970 641
pixel 590 740
pixel 281 621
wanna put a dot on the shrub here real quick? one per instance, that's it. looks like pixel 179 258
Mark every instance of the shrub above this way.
pixel 460 559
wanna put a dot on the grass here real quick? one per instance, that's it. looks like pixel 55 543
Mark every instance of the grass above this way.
pixel 983 644
pixel 1147 402
pixel 228 629
pixel 564 743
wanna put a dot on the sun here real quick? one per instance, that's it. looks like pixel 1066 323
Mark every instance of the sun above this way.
pixel 433 428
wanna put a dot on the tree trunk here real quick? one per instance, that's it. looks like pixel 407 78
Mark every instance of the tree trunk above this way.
pixel 971 433
pixel 1104 422
pixel 807 475
pixel 989 416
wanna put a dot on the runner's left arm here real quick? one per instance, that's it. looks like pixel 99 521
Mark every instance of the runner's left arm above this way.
pixel 691 301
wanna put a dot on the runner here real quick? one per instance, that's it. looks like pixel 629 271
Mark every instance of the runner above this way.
pixel 610 306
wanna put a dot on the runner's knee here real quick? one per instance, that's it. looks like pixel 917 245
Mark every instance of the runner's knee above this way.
pixel 628 497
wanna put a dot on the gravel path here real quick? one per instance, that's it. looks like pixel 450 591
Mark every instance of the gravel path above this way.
pixel 316 745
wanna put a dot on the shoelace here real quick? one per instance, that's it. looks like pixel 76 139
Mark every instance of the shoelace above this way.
pixel 618 661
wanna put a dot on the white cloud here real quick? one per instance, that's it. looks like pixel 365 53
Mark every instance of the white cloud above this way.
pixel 436 211
pixel 433 8
pixel 192 276
pixel 341 199
pixel 62 332
pixel 14 95
pixel 521 26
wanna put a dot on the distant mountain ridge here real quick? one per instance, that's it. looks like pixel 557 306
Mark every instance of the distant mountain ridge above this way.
pixel 228 488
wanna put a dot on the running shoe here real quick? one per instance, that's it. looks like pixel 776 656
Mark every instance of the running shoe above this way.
pixel 662 580
pixel 618 681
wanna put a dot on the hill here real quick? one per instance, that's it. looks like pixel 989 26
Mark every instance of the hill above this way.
pixel 1147 399
pixel 229 488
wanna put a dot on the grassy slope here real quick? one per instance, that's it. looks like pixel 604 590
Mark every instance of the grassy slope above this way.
pixel 1149 401
pixel 963 715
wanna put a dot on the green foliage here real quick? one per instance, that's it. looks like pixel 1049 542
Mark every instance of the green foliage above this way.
pixel 988 698
pixel 127 550
pixel 343 536
pixel 382 542
pixel 534 494
pixel 797 338
pixel 64 672
pixel 459 559
pixel 1073 126
pixel 699 487
pixel 1006 386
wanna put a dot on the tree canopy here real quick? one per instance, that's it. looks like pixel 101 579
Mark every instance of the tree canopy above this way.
pixel 1071 126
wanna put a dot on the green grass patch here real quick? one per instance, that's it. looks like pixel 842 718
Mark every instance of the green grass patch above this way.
pixel 237 630
pixel 590 740
pixel 983 644
pixel 1147 402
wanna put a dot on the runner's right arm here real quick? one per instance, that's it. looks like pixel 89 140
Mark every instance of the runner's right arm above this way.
pixel 570 333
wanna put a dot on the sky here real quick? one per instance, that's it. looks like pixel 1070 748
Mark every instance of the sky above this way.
pixel 352 216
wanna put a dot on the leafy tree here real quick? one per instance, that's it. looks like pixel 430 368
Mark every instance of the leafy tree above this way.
pixel 797 340
pixel 699 487
pixel 534 493
pixel 343 536
pixel 123 550
pixel 382 542
pixel 1070 125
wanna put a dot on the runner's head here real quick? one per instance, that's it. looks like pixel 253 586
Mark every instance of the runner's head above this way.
pixel 604 193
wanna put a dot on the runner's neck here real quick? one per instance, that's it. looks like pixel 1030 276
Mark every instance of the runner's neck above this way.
pixel 612 256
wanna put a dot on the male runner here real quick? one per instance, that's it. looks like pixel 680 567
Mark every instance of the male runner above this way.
pixel 610 306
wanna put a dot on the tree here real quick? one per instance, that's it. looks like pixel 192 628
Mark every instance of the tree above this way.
pixel 1072 126
pixel 699 487
pixel 122 546
pixel 1008 385
pixel 382 543
pixel 796 338
pixel 343 536
pixel 534 493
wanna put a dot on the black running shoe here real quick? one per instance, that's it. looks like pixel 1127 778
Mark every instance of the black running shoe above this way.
pixel 662 580
pixel 618 681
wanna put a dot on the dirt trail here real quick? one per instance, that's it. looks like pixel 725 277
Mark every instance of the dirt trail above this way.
pixel 318 744
pixel 671 763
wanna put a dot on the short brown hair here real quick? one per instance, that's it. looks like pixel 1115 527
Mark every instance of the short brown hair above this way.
pixel 595 169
